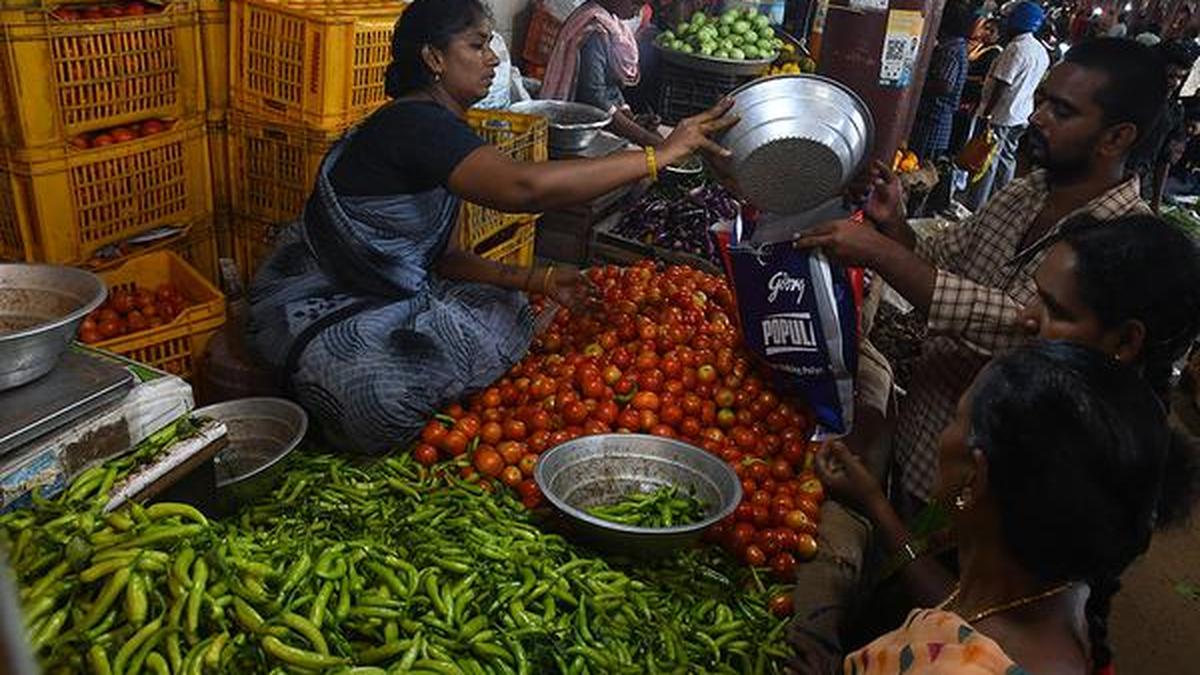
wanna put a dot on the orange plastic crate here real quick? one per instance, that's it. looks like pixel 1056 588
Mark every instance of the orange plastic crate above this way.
pixel 61 78
pixel 318 64
pixel 199 248
pixel 218 161
pixel 272 166
pixel 512 246
pixel 522 137
pixel 61 204
pixel 177 346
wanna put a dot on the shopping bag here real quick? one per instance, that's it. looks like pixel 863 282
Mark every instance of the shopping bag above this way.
pixel 798 314
pixel 977 155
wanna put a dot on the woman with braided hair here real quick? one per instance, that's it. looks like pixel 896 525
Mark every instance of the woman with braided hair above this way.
pixel 1057 468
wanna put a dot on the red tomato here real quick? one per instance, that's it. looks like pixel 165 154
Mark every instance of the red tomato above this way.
pixel 150 127
pixel 511 451
pixel 783 565
pixel 724 398
pixel 706 374
pixel 433 432
pixel 629 420
pixel 122 135
pixel 646 360
pixel 136 320
pixel 491 398
pixel 741 536
pixel 425 454
pixel 647 420
pixel 528 488
pixel 758 471
pixel 762 515
pixel 454 443
pixel 491 433
pixel 690 427
pixel 488 462
pixel 782 605
pixel 672 414
pixel 645 400
pixel 781 469
pixel 754 556
pixel 514 430
pixel 605 412
pixel 511 476
pixel 468 425
pixel 744 513
pixel 664 430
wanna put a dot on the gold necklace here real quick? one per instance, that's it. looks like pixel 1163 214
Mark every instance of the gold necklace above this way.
pixel 1019 602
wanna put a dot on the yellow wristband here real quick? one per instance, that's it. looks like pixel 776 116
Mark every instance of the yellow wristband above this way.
pixel 651 164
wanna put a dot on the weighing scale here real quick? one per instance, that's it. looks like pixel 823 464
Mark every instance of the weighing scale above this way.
pixel 80 384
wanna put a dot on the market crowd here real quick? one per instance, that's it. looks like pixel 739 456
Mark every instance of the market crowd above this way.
pixel 1037 419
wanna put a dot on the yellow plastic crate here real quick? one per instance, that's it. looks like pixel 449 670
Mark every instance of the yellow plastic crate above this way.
pixel 61 78
pixel 320 64
pixel 62 204
pixel 522 137
pixel 218 161
pixel 214 45
pixel 272 166
pixel 513 245
pixel 199 248
pixel 250 241
pixel 177 346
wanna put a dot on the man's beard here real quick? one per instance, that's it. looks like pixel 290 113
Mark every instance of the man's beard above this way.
pixel 1061 166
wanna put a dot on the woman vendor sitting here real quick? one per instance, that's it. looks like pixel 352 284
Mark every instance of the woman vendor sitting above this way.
pixel 596 56
pixel 368 307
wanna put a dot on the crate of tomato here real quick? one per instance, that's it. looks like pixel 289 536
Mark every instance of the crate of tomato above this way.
pixel 60 204
pixel 76 68
pixel 159 311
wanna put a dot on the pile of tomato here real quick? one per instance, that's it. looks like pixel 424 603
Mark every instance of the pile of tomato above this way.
pixel 659 355
pixel 97 12
pixel 130 310
pixel 121 134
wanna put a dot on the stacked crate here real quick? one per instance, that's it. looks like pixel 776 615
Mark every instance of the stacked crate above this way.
pixel 105 161
pixel 103 133
pixel 301 74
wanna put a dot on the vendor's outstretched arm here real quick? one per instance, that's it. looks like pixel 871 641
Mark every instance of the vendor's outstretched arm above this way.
pixel 492 179
pixel 626 127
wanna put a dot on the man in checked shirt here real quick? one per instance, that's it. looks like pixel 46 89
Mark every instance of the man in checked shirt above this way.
pixel 972 279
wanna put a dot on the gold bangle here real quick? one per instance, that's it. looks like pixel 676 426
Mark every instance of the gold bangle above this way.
pixel 546 280
pixel 651 164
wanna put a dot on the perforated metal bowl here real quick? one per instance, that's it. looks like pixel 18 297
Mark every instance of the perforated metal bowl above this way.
pixel 800 140
pixel 598 470
pixel 41 307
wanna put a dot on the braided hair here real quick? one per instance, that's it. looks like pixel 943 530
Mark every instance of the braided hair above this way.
pixel 1078 453
pixel 426 23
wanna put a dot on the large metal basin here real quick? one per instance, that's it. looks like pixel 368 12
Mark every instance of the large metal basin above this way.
pixel 596 470
pixel 41 307
pixel 262 432
pixel 800 140
pixel 573 126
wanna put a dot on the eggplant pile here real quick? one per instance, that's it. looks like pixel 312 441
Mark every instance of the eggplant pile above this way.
pixel 679 221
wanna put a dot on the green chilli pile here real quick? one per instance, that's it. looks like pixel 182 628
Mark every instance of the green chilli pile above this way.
pixel 386 568
pixel 664 507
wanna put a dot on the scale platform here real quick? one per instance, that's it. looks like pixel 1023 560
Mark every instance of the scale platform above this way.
pixel 81 383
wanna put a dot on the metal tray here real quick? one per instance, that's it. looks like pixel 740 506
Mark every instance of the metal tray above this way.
pixel 709 64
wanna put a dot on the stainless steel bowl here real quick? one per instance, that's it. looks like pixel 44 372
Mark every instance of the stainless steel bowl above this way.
pixel 41 307
pixel 596 470
pixel 573 126
pixel 800 140
pixel 262 431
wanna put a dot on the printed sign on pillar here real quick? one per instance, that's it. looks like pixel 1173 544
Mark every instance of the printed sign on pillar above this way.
pixel 901 43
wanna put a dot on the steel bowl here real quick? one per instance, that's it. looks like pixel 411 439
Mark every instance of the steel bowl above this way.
pixel 800 140
pixel 596 470
pixel 262 431
pixel 41 307
pixel 573 126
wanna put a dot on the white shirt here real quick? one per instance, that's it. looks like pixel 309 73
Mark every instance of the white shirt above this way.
pixel 1021 66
